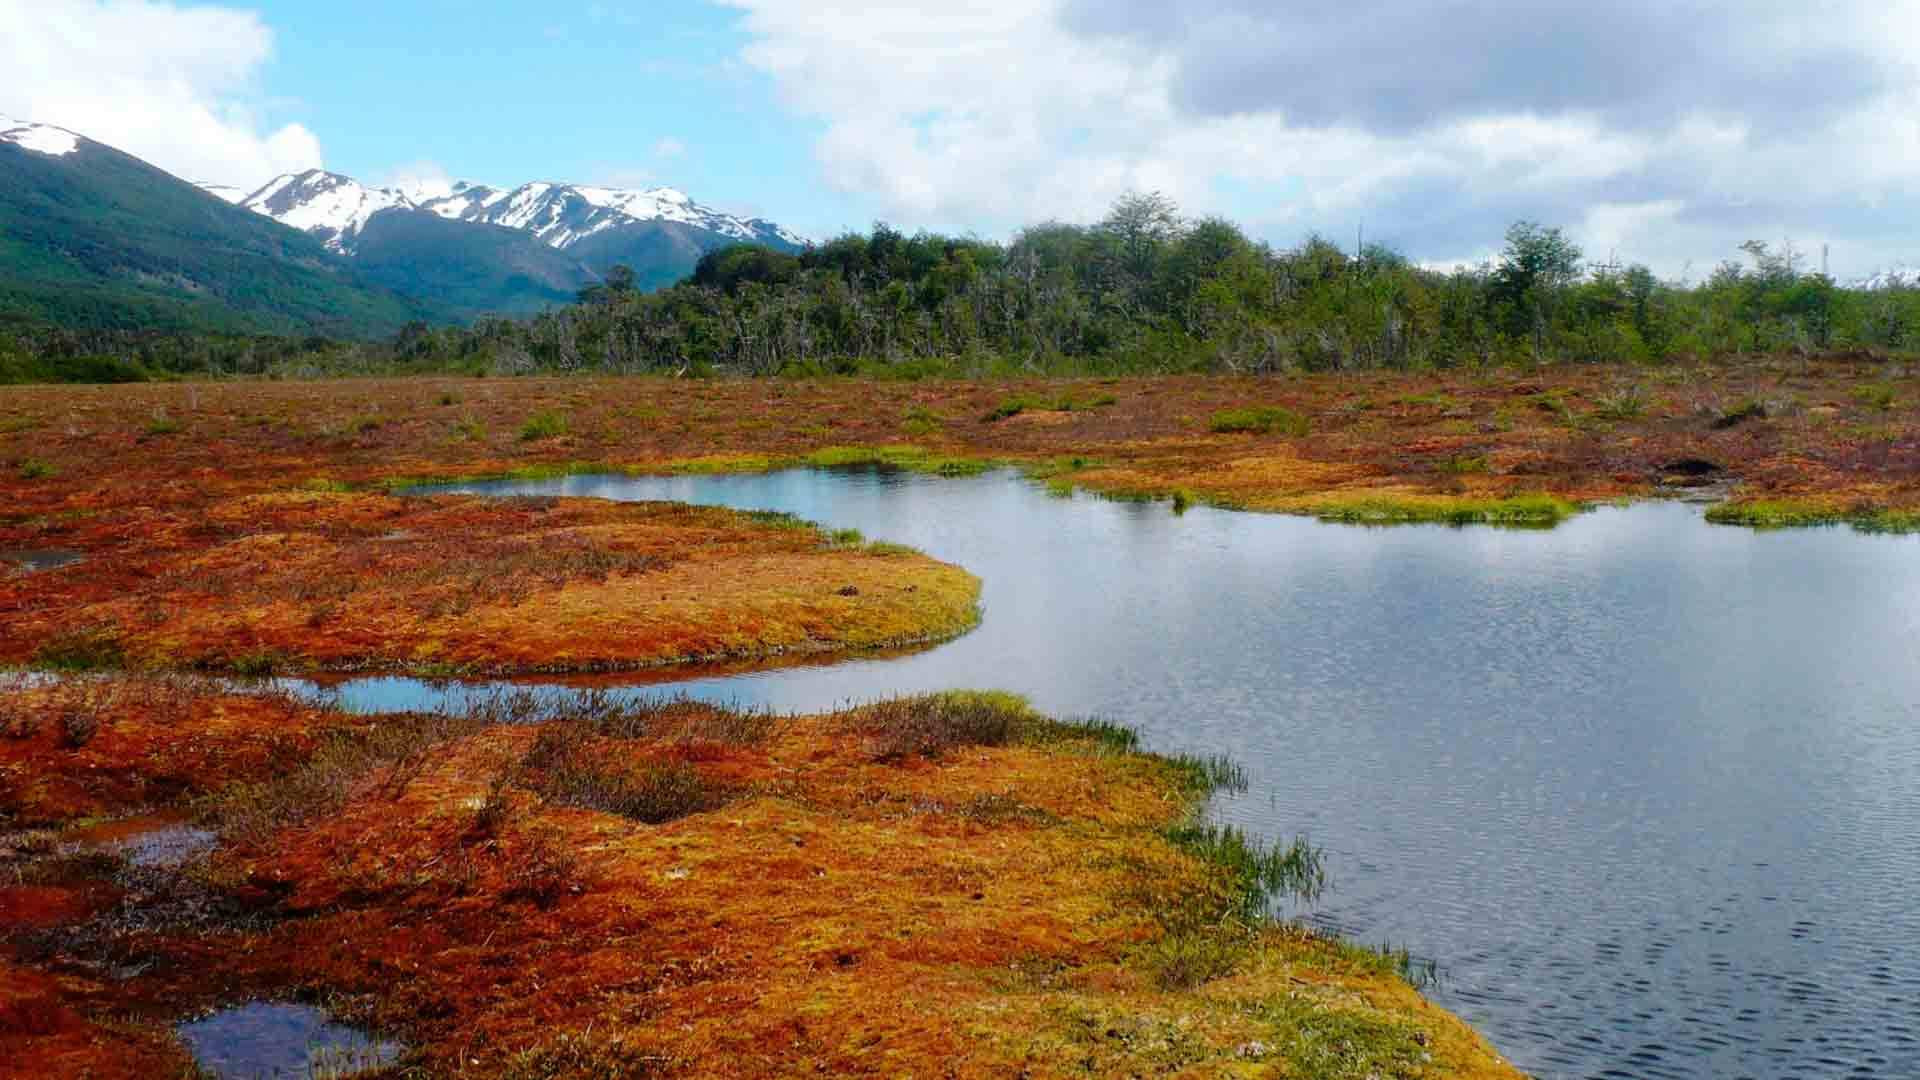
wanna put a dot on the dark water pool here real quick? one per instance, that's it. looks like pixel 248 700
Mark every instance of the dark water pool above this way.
pixel 1647 789
pixel 265 1040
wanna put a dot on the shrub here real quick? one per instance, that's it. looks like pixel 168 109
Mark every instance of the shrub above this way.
pixel 565 773
pixel 1875 395
pixel 88 649
pixel 544 425
pixel 35 469
pixel 1183 960
pixel 930 725
pixel 1751 409
pixel 1624 403
pixel 1259 419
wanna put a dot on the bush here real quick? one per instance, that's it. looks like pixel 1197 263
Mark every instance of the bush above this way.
pixel 931 725
pixel 1259 419
pixel 546 425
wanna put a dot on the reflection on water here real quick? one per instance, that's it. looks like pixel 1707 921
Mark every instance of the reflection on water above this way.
pixel 266 1040
pixel 1647 789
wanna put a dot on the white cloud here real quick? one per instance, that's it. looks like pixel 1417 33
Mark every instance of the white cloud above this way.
pixel 669 147
pixel 170 84
pixel 994 113
pixel 418 179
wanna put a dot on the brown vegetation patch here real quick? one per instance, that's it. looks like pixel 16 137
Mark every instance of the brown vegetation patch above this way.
pixel 1576 432
pixel 949 885
pixel 350 581
pixel 148 740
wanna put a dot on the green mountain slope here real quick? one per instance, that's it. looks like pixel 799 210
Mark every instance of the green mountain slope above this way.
pixel 99 239
pixel 471 268
pixel 660 253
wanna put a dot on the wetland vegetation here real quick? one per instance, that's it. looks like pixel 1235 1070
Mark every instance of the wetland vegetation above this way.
pixel 518 889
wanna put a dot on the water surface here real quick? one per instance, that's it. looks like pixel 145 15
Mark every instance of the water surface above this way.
pixel 1647 789
pixel 262 1040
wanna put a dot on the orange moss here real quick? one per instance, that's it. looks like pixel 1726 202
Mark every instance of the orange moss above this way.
pixel 845 911
pixel 1549 431
pixel 94 747
pixel 337 581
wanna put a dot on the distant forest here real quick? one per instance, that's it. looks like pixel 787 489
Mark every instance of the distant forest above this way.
pixel 1142 291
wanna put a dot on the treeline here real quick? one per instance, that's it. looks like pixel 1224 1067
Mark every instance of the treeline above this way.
pixel 1141 291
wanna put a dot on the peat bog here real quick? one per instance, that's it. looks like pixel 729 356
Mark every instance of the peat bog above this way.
pixel 553 886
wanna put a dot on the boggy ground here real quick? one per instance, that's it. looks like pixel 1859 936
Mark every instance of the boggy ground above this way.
pixel 1791 440
pixel 324 580
pixel 943 886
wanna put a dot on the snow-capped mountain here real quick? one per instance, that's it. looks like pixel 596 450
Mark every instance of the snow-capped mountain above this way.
pixel 332 207
pixel 39 138
pixel 1895 276
pixel 337 208
pixel 565 214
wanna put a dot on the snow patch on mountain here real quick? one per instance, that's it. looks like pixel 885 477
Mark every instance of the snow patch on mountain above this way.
pixel 1899 275
pixel 337 207
pixel 39 138
pixel 329 205
pixel 562 215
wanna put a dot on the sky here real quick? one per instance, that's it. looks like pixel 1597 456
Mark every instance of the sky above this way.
pixel 1657 131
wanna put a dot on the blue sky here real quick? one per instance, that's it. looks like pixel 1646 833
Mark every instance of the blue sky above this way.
pixel 1668 133
pixel 504 92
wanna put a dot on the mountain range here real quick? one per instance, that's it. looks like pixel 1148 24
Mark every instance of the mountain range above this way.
pixel 93 236
pixel 435 237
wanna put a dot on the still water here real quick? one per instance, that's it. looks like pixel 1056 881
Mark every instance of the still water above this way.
pixel 1648 790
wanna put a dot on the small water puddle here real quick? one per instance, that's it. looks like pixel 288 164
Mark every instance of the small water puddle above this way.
pixel 275 1039
pixel 35 560
pixel 150 842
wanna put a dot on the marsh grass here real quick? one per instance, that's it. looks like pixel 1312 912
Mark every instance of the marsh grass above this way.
pixel 1185 959
pixel 1881 396
pixel 1260 873
pixel 1628 402
pixel 564 768
pixel 1016 404
pixel 582 1055
pixel 1796 513
pixel 908 458
pixel 93 648
pixel 931 725
pixel 1523 511
pixel 1321 1043
pixel 920 420
pixel 1750 409
pixel 673 717
pixel 36 469
pixel 543 425
pixel 249 813
pixel 1465 464
pixel 1258 420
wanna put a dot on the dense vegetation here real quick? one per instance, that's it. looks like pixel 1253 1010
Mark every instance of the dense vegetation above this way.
pixel 1141 291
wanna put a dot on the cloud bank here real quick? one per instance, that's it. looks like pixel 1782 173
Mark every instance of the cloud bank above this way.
pixel 1669 132
pixel 170 84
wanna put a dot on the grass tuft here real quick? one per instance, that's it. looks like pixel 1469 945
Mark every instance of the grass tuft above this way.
pixel 1260 873
pixel 1259 419
pixel 543 425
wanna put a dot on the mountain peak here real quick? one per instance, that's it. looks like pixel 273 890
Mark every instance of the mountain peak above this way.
pixel 329 205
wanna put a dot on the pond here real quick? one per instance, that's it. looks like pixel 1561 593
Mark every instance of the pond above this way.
pixel 261 1040
pixel 1647 790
